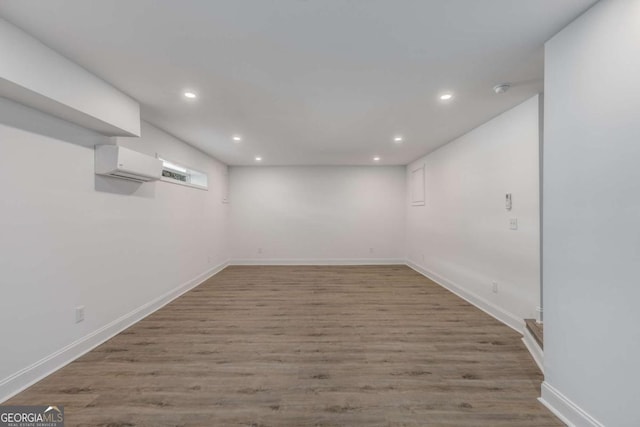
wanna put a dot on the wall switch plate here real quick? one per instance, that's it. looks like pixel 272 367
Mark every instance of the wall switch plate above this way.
pixel 507 201
pixel 494 287
pixel 513 223
pixel 79 313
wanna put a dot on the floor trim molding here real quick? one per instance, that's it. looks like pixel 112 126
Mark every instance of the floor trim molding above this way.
pixel 563 408
pixel 536 352
pixel 30 375
pixel 509 319
pixel 311 261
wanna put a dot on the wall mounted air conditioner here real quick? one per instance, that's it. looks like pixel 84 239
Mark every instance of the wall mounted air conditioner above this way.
pixel 120 162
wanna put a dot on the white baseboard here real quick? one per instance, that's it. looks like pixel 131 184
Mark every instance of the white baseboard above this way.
pixel 303 261
pixel 568 412
pixel 30 375
pixel 509 319
pixel 533 347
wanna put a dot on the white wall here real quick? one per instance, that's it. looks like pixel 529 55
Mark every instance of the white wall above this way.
pixel 317 213
pixel 71 238
pixel 461 236
pixel 591 209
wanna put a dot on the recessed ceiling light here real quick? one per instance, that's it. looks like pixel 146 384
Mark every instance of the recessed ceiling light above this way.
pixel 446 96
pixel 376 159
pixel 258 159
pixel 397 139
pixel 501 88
pixel 237 138
pixel 190 95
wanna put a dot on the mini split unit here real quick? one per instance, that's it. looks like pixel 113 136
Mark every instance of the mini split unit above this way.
pixel 120 162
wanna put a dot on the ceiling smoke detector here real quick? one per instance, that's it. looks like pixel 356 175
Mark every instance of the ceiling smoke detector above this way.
pixel 501 88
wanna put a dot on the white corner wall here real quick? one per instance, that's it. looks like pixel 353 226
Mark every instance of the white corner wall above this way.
pixel 317 214
pixel 71 238
pixel 591 205
pixel 461 236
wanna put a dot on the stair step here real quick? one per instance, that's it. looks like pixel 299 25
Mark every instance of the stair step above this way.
pixel 536 330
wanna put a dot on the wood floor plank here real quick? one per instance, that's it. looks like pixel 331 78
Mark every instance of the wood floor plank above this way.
pixel 305 346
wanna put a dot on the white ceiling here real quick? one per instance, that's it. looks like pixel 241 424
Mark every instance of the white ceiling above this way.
pixel 308 81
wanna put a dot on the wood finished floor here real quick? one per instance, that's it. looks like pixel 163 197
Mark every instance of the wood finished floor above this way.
pixel 305 346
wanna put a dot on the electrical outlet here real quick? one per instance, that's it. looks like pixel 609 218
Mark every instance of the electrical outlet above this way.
pixel 370 250
pixel 494 287
pixel 513 223
pixel 79 313
pixel 259 250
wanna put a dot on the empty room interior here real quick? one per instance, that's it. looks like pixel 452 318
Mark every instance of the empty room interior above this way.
pixel 319 213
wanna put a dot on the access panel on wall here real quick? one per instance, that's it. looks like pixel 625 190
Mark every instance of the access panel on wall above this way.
pixel 417 186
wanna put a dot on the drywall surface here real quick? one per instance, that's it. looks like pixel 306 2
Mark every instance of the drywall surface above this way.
pixel 65 89
pixel 317 214
pixel 71 238
pixel 461 235
pixel 591 205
